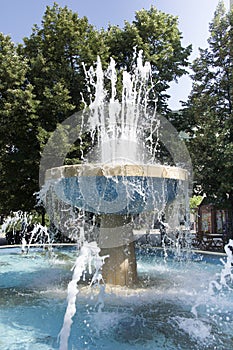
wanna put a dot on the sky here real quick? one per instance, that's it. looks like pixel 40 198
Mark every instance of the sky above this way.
pixel 17 18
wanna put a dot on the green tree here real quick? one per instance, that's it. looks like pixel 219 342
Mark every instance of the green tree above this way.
pixel 56 52
pixel 19 147
pixel 157 34
pixel 209 111
pixel 195 201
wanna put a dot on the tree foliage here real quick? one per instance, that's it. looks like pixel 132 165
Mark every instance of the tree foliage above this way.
pixel 157 34
pixel 19 147
pixel 209 111
pixel 56 52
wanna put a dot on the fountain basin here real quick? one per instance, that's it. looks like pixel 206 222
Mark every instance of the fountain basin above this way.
pixel 172 309
pixel 119 189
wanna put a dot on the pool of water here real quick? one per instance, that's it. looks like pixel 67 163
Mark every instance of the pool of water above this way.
pixel 179 304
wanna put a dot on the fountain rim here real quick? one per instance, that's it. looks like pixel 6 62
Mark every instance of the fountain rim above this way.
pixel 123 170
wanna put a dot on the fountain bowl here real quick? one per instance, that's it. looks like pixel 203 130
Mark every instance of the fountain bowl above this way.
pixel 116 188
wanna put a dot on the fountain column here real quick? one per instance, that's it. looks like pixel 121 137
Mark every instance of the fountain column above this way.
pixel 116 241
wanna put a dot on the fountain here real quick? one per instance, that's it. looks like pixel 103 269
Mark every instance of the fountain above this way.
pixel 129 296
pixel 119 179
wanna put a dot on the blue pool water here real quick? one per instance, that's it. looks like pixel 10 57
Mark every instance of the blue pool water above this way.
pixel 178 304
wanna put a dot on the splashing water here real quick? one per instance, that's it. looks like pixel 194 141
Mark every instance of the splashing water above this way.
pixel 127 131
pixel 222 283
pixel 119 123
pixel 195 328
pixel 22 229
pixel 89 255
pixel 125 127
pixel 227 274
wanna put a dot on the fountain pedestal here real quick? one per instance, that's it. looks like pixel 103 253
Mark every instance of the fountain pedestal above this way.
pixel 116 242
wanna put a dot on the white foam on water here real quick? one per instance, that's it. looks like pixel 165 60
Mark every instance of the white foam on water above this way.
pixel 194 327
